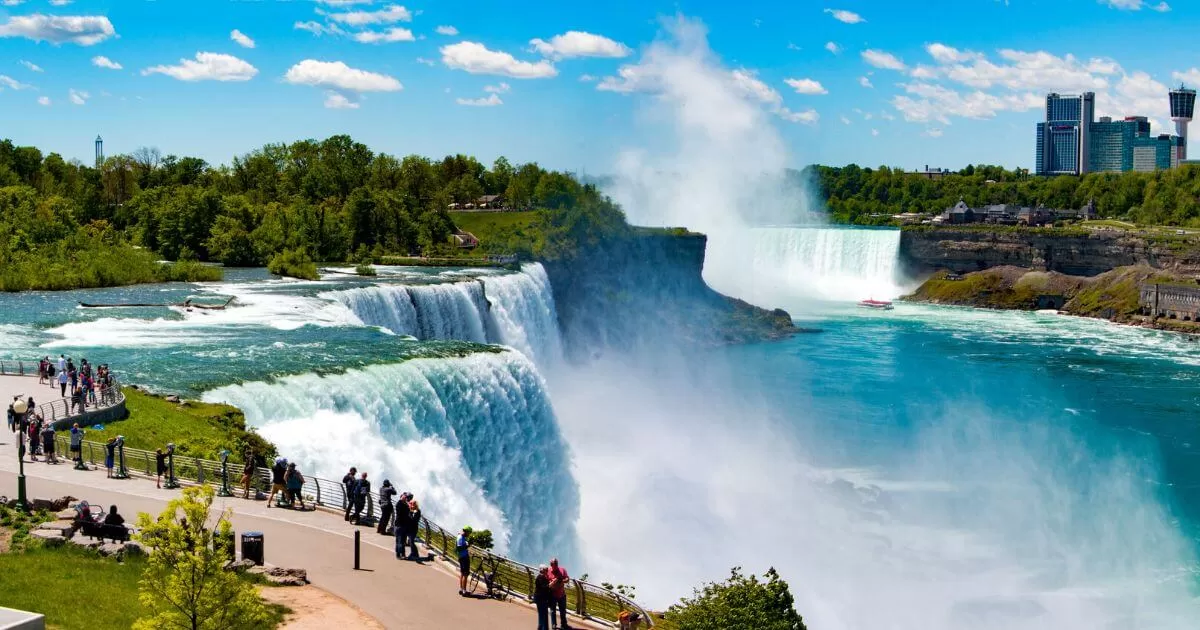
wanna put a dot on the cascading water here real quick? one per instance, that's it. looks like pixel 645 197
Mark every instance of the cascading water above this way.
pixel 474 438
pixel 514 309
pixel 791 266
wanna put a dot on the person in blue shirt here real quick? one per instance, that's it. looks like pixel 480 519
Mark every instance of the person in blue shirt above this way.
pixel 463 546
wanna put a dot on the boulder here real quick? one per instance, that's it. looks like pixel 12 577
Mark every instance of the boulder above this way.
pixel 241 565
pixel 66 515
pixel 85 542
pixel 172 398
pixel 48 538
pixel 281 576
pixel 62 529
pixel 52 505
pixel 111 549
pixel 134 548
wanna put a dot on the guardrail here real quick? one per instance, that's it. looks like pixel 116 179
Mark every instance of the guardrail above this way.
pixel 109 405
pixel 585 599
pixel 18 368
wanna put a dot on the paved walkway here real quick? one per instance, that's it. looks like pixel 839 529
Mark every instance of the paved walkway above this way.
pixel 26 386
pixel 399 594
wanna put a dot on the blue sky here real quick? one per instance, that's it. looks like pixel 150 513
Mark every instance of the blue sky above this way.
pixel 938 82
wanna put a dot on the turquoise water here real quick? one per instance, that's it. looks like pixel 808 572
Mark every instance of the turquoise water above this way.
pixel 920 468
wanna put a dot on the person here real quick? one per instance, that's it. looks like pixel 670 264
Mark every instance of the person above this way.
pixel 34 431
pixel 295 483
pixel 113 518
pixel 48 443
pixel 463 547
pixel 361 491
pixel 541 597
pixel 411 525
pixel 77 444
pixel 12 418
pixel 89 388
pixel 277 473
pixel 247 474
pixel 386 492
pixel 348 482
pixel 77 399
pixel 43 366
pixel 110 455
pixel 160 466
pixel 558 592
pixel 83 513
pixel 62 363
pixel 62 382
pixel 629 620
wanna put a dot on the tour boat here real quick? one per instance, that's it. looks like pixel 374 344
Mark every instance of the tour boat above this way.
pixel 879 304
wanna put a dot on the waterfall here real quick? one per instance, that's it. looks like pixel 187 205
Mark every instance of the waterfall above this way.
pixel 514 309
pixel 474 438
pixel 780 266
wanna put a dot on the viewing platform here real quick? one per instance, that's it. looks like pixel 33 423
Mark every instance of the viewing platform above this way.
pixel 19 379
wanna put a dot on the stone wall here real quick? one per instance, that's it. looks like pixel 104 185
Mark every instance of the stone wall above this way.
pixel 1171 301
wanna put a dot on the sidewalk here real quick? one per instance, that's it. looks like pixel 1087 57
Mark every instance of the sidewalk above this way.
pixel 399 594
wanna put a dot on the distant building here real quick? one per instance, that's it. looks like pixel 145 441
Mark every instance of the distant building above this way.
pixel 1156 153
pixel 960 214
pixel 1063 141
pixel 1008 214
pixel 1071 142
pixel 99 151
pixel 934 173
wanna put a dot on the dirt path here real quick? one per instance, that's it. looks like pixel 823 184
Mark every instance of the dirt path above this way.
pixel 317 609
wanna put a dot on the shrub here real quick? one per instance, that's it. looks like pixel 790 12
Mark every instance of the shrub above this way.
pixel 739 603
pixel 294 263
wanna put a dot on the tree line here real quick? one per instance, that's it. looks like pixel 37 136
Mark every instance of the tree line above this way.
pixel 330 200
pixel 854 194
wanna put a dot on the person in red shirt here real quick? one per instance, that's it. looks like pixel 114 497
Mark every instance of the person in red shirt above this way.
pixel 558 594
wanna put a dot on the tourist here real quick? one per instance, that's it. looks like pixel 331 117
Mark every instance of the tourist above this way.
pixel 83 513
pixel 62 383
pixel 113 518
pixel 160 466
pixel 62 363
pixel 110 455
pixel 463 547
pixel 542 596
pixel 247 474
pixel 43 366
pixel 277 483
pixel 48 443
pixel 412 524
pixel 386 492
pixel 361 491
pixel 33 433
pixel 629 620
pixel 12 418
pixel 558 592
pixel 77 399
pixel 349 481
pixel 295 483
pixel 77 444
pixel 89 388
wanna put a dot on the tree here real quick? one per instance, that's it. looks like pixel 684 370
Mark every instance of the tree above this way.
pixel 739 603
pixel 185 584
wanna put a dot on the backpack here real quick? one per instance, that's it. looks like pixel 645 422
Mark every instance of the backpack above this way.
pixel 50 371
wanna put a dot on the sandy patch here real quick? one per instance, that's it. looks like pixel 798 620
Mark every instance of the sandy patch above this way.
pixel 315 609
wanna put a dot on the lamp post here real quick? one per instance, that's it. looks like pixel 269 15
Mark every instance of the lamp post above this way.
pixel 20 407
pixel 171 482
pixel 224 489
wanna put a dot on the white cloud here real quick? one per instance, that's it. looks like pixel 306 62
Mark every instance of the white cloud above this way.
pixel 931 102
pixel 491 100
pixel 806 86
pixel 498 89
pixel 845 120
pixel 475 58
pixel 446 30
pixel 874 132
pixel 865 82
pixel 100 61
pixel 78 97
pixel 318 29
pixel 942 53
pixel 881 59
pixel 11 83
pixel 1191 77
pixel 11 3
pixel 806 117
pixel 60 3
pixel 387 15
pixel 428 62
pixel 588 78
pixel 241 38
pixel 84 30
pixel 579 44
pixel 748 82
pixel 44 101
pixel 343 3
pixel 1136 5
pixel 887 116
pixel 933 132
pixel 337 100
pixel 391 35
pixel 207 66
pixel 849 17
pixel 32 66
pixel 337 75
pixel 833 48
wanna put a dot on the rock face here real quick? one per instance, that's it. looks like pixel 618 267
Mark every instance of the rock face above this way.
pixel 51 505
pixel 1072 252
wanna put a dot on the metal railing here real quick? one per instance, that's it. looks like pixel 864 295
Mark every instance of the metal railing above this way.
pixel 18 368
pixel 586 600
pixel 62 410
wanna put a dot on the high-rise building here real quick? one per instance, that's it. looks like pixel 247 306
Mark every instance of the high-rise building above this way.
pixel 1064 140
pixel 99 151
pixel 1183 105
pixel 1112 143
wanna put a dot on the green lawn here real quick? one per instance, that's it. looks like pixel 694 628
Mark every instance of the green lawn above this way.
pixel 73 587
pixel 502 232
pixel 197 429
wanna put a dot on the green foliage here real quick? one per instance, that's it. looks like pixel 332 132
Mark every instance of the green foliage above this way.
pixel 481 538
pixel 198 429
pixel 739 603
pixel 364 269
pixel 870 196
pixel 294 263
pixel 20 524
pixel 184 584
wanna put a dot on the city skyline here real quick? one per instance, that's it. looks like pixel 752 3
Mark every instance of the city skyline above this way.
pixel 863 81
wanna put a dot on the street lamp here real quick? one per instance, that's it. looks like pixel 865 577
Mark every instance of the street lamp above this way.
pixel 19 408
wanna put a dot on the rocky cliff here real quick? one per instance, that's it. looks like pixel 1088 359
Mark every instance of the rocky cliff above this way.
pixel 645 290
pixel 1071 251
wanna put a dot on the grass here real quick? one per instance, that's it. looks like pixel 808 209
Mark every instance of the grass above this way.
pixel 503 232
pixel 198 429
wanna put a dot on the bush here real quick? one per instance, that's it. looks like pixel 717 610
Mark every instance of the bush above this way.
pixel 364 269
pixel 739 603
pixel 294 263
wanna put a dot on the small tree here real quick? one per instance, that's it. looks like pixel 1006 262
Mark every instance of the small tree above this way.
pixel 740 603
pixel 185 584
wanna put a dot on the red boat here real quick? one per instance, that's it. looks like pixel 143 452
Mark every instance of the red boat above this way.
pixel 882 305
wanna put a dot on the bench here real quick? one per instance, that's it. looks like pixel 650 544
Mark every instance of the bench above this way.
pixel 117 533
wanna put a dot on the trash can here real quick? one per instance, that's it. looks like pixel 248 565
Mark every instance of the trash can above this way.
pixel 226 543
pixel 252 547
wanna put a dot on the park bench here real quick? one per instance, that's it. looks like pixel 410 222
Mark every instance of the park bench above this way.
pixel 116 533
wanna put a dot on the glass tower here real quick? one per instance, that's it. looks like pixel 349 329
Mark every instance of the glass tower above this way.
pixel 1064 140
